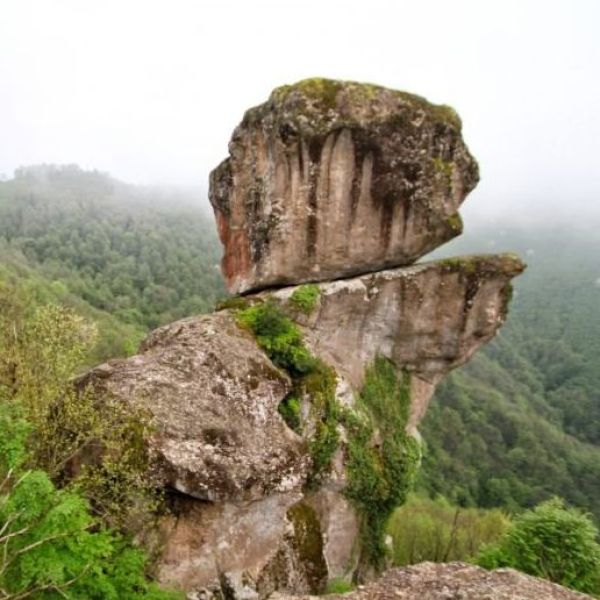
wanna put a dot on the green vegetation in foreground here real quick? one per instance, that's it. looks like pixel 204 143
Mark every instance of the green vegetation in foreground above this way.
pixel 550 541
pixel 380 474
pixel 61 537
pixel 434 530
pixel 553 542
pixel 305 297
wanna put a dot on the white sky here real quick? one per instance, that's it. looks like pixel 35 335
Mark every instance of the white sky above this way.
pixel 151 90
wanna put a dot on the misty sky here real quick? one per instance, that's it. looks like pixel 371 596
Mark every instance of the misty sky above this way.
pixel 150 90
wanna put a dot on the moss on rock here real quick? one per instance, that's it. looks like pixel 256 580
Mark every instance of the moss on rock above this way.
pixel 308 544
pixel 382 458
pixel 305 297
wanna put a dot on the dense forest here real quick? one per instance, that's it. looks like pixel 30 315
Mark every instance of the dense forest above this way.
pixel 521 421
pixel 129 257
pixel 514 427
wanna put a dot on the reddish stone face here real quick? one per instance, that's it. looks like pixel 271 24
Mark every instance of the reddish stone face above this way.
pixel 332 179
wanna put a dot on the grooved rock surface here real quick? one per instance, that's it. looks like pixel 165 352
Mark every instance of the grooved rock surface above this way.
pixel 214 395
pixel 454 581
pixel 329 179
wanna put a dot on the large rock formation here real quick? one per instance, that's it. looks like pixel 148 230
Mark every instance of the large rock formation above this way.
pixel 427 319
pixel 455 581
pixel 257 423
pixel 328 179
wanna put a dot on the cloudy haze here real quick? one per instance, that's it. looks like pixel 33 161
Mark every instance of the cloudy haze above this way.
pixel 150 90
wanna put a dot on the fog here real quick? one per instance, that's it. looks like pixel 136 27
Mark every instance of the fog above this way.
pixel 151 90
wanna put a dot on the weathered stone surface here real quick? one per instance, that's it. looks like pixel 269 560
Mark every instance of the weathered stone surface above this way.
pixel 243 549
pixel 329 179
pixel 454 581
pixel 214 396
pixel 427 318
pixel 325 180
pixel 205 541
pixel 340 527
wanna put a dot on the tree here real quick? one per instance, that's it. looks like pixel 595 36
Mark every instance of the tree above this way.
pixel 52 546
pixel 551 541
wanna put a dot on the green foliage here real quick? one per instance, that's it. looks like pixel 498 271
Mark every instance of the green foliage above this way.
pixel 380 473
pixel 52 546
pixel 289 409
pixel 147 256
pixel 278 336
pixel 319 385
pixel 73 432
pixel 434 530
pixel 305 297
pixel 282 340
pixel 551 541
pixel 338 586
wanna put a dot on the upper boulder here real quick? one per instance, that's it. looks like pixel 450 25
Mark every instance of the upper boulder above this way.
pixel 329 179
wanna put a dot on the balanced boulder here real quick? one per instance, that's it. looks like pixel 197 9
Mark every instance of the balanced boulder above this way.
pixel 329 179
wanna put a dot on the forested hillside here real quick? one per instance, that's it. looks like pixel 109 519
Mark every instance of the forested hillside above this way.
pixel 517 425
pixel 133 257
pixel 522 421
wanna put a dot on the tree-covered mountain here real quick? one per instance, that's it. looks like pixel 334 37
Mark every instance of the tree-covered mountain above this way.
pixel 522 421
pixel 514 427
pixel 145 255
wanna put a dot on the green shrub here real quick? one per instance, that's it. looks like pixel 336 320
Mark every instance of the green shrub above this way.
pixel 278 336
pixel 551 541
pixel 52 546
pixel 282 341
pixel 42 348
pixel 380 475
pixel 434 530
pixel 304 298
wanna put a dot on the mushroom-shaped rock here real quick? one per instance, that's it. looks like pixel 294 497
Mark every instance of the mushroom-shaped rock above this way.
pixel 329 179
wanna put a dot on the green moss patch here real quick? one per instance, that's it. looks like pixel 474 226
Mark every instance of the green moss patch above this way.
pixel 232 303
pixel 308 544
pixel 282 341
pixel 289 409
pixel 380 473
pixel 338 586
pixel 305 297
pixel 278 336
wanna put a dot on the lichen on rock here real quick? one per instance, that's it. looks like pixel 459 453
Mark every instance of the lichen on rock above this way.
pixel 323 162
